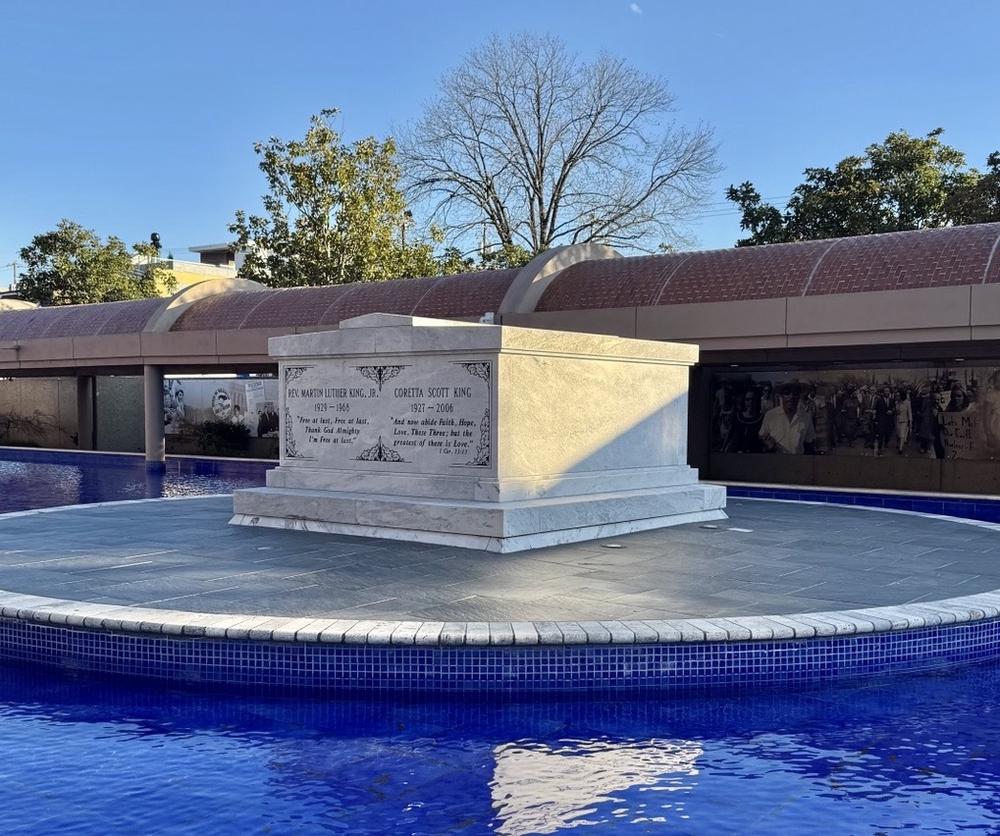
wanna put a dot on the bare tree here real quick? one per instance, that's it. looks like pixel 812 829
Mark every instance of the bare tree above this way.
pixel 15 427
pixel 547 149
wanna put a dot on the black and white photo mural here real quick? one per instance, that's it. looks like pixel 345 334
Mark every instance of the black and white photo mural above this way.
pixel 939 413
pixel 189 403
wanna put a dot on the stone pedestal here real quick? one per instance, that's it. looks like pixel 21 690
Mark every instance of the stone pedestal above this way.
pixel 482 436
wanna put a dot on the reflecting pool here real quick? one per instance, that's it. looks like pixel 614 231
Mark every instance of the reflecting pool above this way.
pixel 103 756
pixel 88 756
pixel 43 479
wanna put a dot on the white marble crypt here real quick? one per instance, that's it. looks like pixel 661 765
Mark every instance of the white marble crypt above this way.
pixel 482 436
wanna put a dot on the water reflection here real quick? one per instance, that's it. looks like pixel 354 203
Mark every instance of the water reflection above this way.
pixel 27 483
pixel 544 788
pixel 155 474
pixel 916 754
pixel 913 754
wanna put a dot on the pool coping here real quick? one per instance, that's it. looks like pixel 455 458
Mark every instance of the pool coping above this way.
pixel 312 630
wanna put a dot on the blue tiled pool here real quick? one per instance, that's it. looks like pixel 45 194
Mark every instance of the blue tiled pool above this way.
pixel 90 757
pixel 87 755
pixel 43 478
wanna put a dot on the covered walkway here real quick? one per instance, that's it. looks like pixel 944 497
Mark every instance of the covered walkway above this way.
pixel 911 297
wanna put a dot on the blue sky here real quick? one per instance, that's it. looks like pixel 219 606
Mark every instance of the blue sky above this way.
pixel 134 117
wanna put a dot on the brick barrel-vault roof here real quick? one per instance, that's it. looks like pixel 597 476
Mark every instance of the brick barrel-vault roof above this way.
pixel 464 295
pixel 962 255
pixel 78 320
pixel 965 255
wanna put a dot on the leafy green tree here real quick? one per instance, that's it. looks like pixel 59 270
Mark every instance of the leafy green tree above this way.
pixel 71 265
pixel 904 182
pixel 975 197
pixel 421 259
pixel 333 212
pixel 453 260
pixel 504 257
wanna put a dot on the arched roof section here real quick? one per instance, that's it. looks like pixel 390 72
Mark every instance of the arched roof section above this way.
pixel 677 278
pixel 295 306
pixel 464 295
pixel 744 273
pixel 609 283
pixel 227 311
pixel 955 256
pixel 395 297
pixel 892 261
pixel 16 325
pixel 906 260
pixel 78 320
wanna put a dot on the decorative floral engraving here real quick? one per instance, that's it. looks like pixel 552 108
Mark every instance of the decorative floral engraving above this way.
pixel 482 457
pixel 379 453
pixel 291 451
pixel 484 372
pixel 379 374
pixel 293 373
pixel 480 370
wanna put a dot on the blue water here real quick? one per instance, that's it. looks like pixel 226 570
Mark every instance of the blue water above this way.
pixel 92 757
pixel 40 479
pixel 978 508
pixel 82 755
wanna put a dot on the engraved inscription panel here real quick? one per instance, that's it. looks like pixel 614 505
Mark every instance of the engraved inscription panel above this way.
pixel 419 415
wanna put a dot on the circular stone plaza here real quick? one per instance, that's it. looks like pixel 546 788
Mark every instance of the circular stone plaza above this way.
pixel 863 543
pixel 780 593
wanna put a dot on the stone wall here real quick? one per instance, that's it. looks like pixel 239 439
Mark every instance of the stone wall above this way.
pixel 46 409
pixel 119 414
pixel 43 409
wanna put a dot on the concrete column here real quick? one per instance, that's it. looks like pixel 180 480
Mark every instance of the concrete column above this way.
pixel 85 423
pixel 153 406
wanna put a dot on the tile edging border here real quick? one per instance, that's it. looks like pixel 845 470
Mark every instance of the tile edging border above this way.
pixel 312 630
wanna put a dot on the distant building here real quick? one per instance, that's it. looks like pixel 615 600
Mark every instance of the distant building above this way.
pixel 219 255
pixel 216 261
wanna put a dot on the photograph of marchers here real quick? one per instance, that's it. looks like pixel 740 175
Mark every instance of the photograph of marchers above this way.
pixel 936 413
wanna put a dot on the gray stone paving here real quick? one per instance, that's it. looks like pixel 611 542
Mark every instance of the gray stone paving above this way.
pixel 182 555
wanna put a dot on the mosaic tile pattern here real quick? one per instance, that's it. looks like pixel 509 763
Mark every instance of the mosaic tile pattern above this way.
pixel 225 311
pixel 655 667
pixel 610 283
pixel 739 273
pixel 466 294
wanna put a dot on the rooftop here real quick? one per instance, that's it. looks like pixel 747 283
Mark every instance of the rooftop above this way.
pixel 964 255
pixel 773 299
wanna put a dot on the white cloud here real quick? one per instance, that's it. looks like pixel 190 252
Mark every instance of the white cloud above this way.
pixel 635 8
